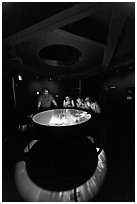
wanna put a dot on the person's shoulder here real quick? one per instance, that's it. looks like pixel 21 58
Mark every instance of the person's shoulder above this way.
pixel 41 96
pixel 50 95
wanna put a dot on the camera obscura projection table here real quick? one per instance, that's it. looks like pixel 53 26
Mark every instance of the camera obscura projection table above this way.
pixel 63 165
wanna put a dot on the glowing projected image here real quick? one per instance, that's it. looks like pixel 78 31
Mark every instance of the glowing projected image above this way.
pixel 61 117
pixel 31 192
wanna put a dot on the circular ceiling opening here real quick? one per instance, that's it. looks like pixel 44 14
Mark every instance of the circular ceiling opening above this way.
pixel 60 55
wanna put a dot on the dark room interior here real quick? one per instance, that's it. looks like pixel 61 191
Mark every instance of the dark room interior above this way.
pixel 76 49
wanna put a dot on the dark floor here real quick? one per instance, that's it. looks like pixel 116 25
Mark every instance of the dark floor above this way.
pixel 119 185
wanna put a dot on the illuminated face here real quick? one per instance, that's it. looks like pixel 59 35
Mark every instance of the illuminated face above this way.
pixel 78 100
pixel 87 99
pixel 46 91
pixel 67 98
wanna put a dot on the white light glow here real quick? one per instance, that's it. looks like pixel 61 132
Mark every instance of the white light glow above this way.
pixel 20 77
pixel 129 97
pixel 113 87
pixel 65 118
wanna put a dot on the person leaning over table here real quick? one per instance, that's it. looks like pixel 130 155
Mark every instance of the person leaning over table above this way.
pixel 68 102
pixel 95 107
pixel 87 103
pixel 45 100
pixel 80 103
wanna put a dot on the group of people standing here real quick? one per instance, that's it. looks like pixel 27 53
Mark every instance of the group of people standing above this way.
pixel 46 99
pixel 82 104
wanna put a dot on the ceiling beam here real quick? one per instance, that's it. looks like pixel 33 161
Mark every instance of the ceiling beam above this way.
pixel 116 26
pixel 68 16
pixel 81 39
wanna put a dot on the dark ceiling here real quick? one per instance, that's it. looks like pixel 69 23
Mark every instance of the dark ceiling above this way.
pixel 103 32
pixel 20 15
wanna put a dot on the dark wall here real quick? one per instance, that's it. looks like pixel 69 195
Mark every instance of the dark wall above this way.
pixel 59 88
pixel 117 97
pixel 27 88
pixel 27 98
pixel 91 86
pixel 26 92
pixel 8 108
pixel 122 82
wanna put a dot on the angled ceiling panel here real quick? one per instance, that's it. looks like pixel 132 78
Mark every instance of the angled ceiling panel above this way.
pixel 28 27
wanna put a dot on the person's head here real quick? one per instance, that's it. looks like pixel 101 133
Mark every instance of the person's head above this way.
pixel 79 100
pixel 87 99
pixel 45 91
pixel 67 98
